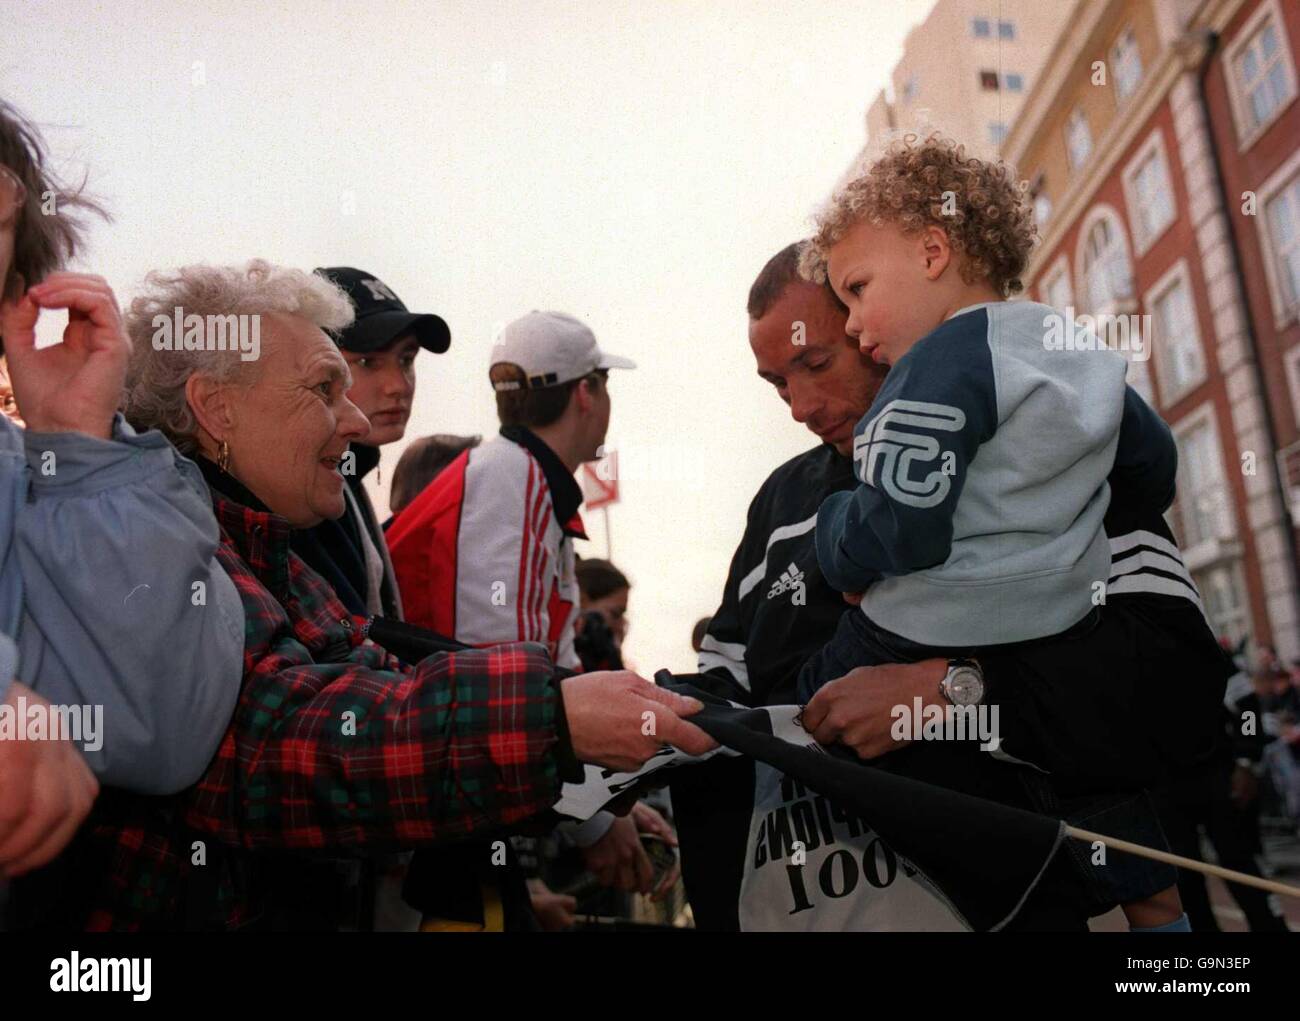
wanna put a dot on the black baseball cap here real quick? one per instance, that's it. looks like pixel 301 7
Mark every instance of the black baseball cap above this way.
pixel 381 316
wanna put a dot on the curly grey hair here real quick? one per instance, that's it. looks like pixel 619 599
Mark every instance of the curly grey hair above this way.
pixel 155 380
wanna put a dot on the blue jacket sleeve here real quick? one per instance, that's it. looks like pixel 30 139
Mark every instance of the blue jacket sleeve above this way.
pixel 910 453
pixel 125 606
pixel 8 665
pixel 1146 460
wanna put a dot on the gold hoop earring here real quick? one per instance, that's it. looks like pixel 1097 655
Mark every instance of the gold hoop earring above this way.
pixel 223 456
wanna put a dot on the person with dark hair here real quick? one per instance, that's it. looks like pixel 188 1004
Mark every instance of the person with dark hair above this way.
pixel 604 590
pixel 421 463
pixel 778 609
pixel 467 568
pixel 380 347
pixel 103 527
pixel 485 553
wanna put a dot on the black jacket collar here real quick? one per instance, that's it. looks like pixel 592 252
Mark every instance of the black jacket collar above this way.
pixel 228 486
pixel 367 459
pixel 566 494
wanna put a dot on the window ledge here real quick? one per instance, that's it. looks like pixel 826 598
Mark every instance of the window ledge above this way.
pixel 1142 245
pixel 1256 133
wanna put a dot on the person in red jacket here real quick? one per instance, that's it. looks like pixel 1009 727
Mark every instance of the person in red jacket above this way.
pixel 485 553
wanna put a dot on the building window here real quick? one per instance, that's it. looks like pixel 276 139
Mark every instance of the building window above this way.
pixel 1283 214
pixel 997 132
pixel 1225 601
pixel 1149 192
pixel 1262 78
pixel 1278 228
pixel 1006 30
pixel 1292 362
pixel 989 81
pixel 1262 75
pixel 982 28
pixel 1078 139
pixel 1126 65
pixel 1107 272
pixel 1203 501
pixel 1155 203
pixel 1014 82
pixel 909 88
pixel 1177 340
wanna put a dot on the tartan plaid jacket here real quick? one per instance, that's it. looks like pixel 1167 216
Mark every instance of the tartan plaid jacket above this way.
pixel 335 747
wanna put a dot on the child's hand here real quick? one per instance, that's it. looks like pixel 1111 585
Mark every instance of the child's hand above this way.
pixel 852 598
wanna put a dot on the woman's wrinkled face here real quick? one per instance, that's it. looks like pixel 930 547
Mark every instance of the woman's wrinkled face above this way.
pixel 293 422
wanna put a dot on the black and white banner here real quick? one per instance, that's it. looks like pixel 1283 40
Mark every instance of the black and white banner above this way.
pixel 848 845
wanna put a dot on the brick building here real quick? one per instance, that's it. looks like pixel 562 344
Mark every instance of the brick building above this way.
pixel 1162 142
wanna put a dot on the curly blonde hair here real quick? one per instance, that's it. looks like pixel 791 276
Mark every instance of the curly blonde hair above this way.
pixel 989 219
pixel 155 380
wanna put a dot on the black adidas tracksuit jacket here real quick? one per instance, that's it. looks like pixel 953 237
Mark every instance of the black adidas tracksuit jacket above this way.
pixel 777 610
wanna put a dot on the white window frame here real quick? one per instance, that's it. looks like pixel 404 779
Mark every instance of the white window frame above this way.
pixel 1291 364
pixel 1077 116
pixel 1215 548
pixel 1249 133
pixel 1273 187
pixel 1082 292
pixel 1060 268
pixel 1178 275
pixel 1154 147
pixel 1122 97
pixel 1232 568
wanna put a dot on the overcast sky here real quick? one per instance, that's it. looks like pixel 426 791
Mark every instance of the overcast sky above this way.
pixel 633 163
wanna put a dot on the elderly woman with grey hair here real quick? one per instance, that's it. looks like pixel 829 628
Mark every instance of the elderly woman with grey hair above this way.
pixel 336 745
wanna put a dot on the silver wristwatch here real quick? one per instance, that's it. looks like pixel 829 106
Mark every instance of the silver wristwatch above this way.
pixel 963 684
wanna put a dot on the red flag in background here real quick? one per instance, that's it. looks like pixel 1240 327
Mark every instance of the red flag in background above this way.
pixel 599 481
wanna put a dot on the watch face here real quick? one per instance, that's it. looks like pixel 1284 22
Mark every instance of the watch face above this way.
pixel 966 686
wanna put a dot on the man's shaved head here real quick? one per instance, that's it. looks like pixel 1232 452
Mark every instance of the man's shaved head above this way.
pixel 797 334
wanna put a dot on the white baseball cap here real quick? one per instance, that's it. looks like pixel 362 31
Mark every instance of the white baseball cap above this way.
pixel 552 348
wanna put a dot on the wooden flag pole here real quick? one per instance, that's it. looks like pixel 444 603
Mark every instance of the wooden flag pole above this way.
pixel 1272 885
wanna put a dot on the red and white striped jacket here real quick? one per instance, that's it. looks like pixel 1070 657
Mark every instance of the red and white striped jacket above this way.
pixel 485 553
